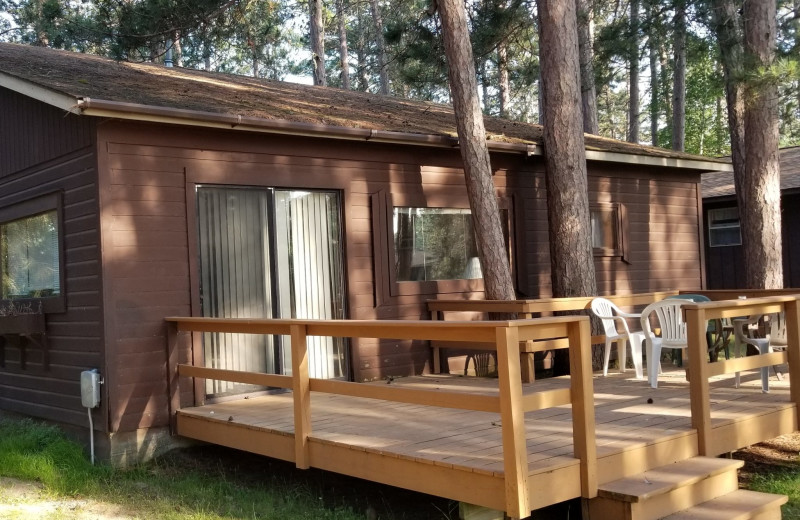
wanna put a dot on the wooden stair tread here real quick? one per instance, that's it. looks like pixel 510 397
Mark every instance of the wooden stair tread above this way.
pixel 665 479
pixel 738 505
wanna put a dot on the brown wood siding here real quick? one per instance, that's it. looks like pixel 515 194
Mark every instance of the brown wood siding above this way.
pixel 27 142
pixel 149 248
pixel 43 151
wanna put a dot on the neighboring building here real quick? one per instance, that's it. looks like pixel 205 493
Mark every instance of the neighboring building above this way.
pixel 132 192
pixel 723 250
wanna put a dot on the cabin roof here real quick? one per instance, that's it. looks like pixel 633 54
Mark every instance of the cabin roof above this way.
pixel 720 184
pixel 94 85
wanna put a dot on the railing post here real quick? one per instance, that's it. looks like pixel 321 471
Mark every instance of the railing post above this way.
pixel 579 334
pixel 437 360
pixel 173 389
pixel 792 312
pixel 301 390
pixel 512 419
pixel 698 380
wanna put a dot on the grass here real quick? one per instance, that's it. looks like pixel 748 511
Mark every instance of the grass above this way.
pixel 781 482
pixel 199 484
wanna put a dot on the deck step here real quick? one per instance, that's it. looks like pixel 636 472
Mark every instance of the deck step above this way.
pixel 738 505
pixel 664 490
pixel 666 479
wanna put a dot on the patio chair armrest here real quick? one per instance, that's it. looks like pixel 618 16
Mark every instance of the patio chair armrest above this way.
pixel 629 315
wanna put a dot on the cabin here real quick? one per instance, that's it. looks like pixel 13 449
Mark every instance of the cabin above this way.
pixel 723 249
pixel 132 192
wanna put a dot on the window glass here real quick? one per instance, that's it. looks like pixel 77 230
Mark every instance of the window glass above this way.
pixel 434 244
pixel 723 227
pixel 29 257
pixel 604 228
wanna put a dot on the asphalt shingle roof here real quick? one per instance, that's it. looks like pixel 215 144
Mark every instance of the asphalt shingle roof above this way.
pixel 89 76
pixel 720 184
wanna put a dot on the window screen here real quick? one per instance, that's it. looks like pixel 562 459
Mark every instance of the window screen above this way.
pixel 723 227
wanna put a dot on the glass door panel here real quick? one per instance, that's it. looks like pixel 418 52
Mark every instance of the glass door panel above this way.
pixel 270 253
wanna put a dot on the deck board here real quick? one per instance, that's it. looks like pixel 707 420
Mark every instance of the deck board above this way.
pixel 630 431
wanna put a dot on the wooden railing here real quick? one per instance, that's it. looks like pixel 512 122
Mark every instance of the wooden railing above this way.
pixel 697 316
pixel 502 336
pixel 527 309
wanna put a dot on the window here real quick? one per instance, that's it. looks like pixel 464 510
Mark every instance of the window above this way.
pixel 723 227
pixel 436 244
pixel 606 233
pixel 30 252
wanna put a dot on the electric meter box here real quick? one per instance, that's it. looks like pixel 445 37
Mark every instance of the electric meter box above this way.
pixel 90 388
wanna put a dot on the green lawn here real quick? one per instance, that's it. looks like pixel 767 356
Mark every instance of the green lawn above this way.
pixel 203 483
pixel 781 482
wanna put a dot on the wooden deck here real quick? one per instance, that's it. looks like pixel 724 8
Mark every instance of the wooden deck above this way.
pixel 499 443
pixel 458 454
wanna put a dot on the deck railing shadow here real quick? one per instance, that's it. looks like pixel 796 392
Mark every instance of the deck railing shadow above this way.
pixel 504 337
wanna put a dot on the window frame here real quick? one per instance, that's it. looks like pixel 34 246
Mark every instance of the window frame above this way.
pixel 433 287
pixel 31 208
pixel 620 219
pixel 712 227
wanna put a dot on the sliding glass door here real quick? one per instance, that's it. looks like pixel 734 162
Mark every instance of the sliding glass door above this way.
pixel 269 253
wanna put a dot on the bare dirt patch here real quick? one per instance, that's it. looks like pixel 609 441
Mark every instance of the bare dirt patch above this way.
pixel 779 453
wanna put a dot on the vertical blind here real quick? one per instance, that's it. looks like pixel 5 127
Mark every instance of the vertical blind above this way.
pixel 234 251
pixel 240 273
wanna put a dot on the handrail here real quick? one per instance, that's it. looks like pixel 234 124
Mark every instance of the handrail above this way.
pixel 529 306
pixel 502 336
pixel 697 316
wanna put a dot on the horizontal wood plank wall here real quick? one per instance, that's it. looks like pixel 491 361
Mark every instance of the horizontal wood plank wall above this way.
pixel 661 230
pixel 44 151
pixel 146 164
pixel 27 141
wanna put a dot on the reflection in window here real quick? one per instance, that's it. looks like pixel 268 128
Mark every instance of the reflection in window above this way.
pixel 605 226
pixel 29 258
pixel 435 244
pixel 723 227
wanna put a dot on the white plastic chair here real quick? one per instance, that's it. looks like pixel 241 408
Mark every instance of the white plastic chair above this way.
pixel 775 338
pixel 610 315
pixel 673 333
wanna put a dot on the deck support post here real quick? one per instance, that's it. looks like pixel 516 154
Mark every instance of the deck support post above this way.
pixel 301 390
pixel 579 334
pixel 698 382
pixel 792 312
pixel 512 419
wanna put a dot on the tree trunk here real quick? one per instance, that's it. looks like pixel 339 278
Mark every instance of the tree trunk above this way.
pixel 759 210
pixel 177 49
pixel 588 91
pixel 381 46
pixel 503 82
pixel 655 98
pixel 344 62
pixel 727 26
pixel 568 216
pixel 361 52
pixel 679 85
pixel 498 284
pixel 633 75
pixel 317 37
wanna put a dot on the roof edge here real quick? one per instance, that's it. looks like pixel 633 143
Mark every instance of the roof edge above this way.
pixel 39 93
pixel 133 111
pixel 154 114
pixel 649 160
